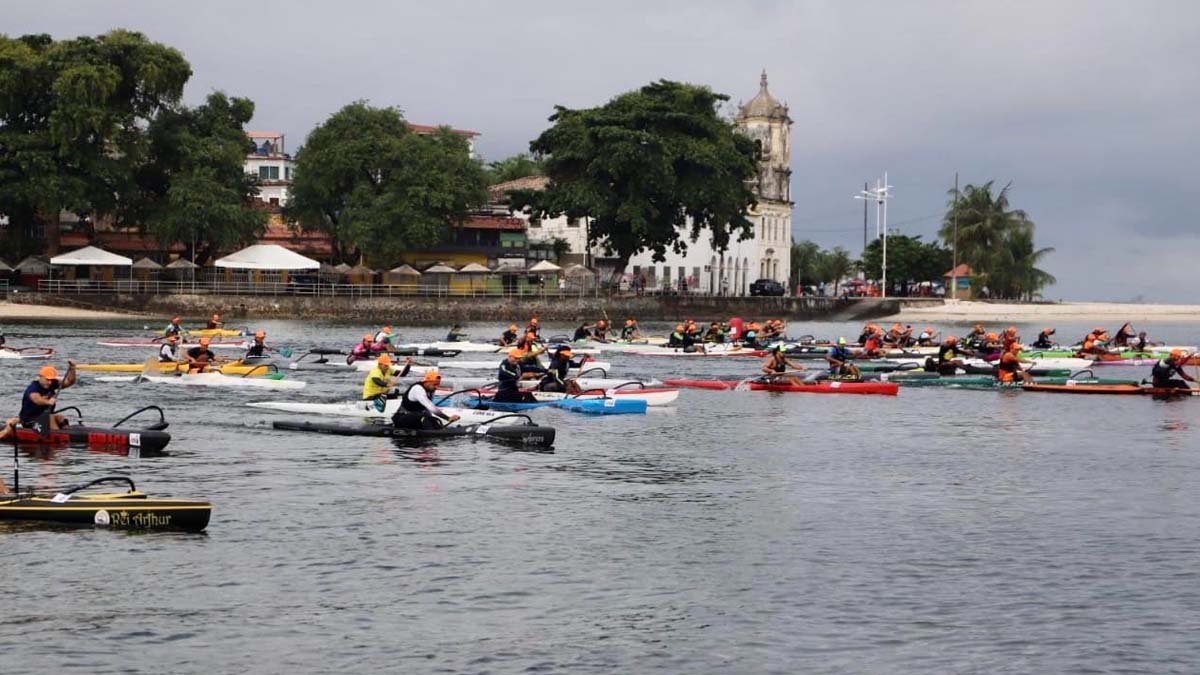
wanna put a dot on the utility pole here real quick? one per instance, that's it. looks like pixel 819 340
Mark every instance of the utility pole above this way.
pixel 865 187
pixel 954 270
pixel 880 195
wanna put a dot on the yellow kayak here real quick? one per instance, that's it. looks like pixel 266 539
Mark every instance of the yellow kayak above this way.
pixel 215 332
pixel 236 368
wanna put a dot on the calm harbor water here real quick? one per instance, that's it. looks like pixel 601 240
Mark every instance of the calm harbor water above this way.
pixel 736 532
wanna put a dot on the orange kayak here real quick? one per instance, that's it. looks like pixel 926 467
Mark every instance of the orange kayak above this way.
pixel 1112 389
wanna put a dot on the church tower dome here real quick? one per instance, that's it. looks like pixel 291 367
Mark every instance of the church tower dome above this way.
pixel 763 104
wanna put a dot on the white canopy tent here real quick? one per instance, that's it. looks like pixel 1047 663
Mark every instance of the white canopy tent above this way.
pixel 267 257
pixel 544 267
pixel 90 255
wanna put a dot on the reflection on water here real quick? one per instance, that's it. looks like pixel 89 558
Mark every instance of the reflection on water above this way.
pixel 937 531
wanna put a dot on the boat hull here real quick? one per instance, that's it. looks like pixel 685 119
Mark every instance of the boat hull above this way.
pixel 526 435
pixel 125 511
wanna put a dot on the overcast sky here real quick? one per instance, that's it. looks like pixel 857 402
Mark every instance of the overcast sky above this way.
pixel 1088 108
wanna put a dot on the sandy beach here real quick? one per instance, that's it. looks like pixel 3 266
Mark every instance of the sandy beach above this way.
pixel 9 311
pixel 964 310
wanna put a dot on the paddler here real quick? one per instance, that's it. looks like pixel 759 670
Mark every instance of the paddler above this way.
pixel 214 322
pixel 555 378
pixel 363 350
pixel 838 357
pixel 947 363
pixel 509 337
pixel 382 379
pixel 976 338
pixel 1093 343
pixel 778 363
pixel 258 349
pixel 173 328
pixel 681 339
pixel 1141 343
pixel 1009 370
pixel 872 345
pixel 1123 336
pixel 867 331
pixel 169 351
pixel 1043 340
pixel 507 377
pixel 1010 338
pixel 715 334
pixel 533 327
pixel 927 338
pixel 417 411
pixel 750 339
pixel 383 340
pixel 630 331
pixel 1165 369
pixel 991 348
pixel 37 404
pixel 200 357
pixel 582 333
pixel 769 332
pixel 456 334
pixel 600 332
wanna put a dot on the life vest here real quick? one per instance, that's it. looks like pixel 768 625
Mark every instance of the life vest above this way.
pixel 407 404
pixel 370 389
pixel 1008 367
pixel 1162 371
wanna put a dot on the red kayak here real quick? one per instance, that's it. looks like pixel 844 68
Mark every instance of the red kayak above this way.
pixel 822 387
pixel 1111 389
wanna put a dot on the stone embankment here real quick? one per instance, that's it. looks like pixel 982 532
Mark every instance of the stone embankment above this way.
pixel 438 311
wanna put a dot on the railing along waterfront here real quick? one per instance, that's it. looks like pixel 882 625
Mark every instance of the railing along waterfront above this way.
pixel 154 287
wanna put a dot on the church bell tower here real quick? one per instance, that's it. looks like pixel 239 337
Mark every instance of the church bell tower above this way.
pixel 766 120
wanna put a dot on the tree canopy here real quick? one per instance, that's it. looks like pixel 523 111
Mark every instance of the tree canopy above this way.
pixel 996 241
pixel 377 188
pixel 652 169
pixel 909 260
pixel 813 265
pixel 520 165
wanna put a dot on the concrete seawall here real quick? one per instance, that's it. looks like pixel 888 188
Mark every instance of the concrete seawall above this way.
pixel 439 311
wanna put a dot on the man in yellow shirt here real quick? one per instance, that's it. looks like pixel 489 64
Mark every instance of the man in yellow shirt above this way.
pixel 382 379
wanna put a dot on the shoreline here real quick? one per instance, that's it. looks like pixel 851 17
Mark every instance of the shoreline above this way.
pixel 10 311
pixel 969 310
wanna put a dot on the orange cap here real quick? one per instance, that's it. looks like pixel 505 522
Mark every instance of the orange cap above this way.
pixel 516 353
pixel 48 372
pixel 1014 347
pixel 1176 353
pixel 216 317
pixel 951 340
pixel 260 334
pixel 992 336
pixel 384 360
pixel 432 375
pixel 205 341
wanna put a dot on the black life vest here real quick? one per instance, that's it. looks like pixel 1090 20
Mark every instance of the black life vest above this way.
pixel 408 405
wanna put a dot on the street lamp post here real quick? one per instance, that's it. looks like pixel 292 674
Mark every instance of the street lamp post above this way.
pixel 880 195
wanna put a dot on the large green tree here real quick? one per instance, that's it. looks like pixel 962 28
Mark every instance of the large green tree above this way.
pixel 520 165
pixel 909 259
pixel 72 120
pixel 652 169
pixel 195 190
pixel 996 241
pixel 377 188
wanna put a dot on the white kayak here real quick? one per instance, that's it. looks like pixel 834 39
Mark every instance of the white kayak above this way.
pixel 26 353
pixel 494 365
pixel 584 382
pixel 209 380
pixel 1042 364
pixel 478 347
pixel 709 350
pixel 155 343
pixel 367 409
pixel 653 396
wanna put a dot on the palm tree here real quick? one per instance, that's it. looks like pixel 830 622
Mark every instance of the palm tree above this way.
pixel 805 258
pixel 985 226
pixel 835 266
pixel 1026 279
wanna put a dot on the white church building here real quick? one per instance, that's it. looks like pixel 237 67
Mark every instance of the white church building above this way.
pixel 765 255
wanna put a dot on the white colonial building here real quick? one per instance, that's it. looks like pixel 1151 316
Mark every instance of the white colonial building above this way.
pixel 272 165
pixel 765 255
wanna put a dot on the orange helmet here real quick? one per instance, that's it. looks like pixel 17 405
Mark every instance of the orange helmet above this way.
pixel 48 372
pixel 367 337
pixel 205 341
pixel 515 353
pixel 216 317
pixel 384 361
pixel 951 340
pixel 258 335
pixel 1011 330
pixel 991 337
pixel 1177 353
pixel 432 375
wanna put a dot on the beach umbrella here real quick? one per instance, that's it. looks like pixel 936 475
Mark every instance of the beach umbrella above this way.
pixel 4 267
pixel 544 267
pixel 474 270
pixel 440 268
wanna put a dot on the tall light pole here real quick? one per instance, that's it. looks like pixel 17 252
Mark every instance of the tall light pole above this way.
pixel 880 195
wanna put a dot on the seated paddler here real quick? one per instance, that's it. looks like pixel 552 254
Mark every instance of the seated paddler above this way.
pixel 417 410
pixel 507 378
pixel 557 373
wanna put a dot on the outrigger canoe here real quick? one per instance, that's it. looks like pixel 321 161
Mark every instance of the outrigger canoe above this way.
pixel 26 352
pixel 819 387
pixel 216 332
pixel 369 409
pixel 131 510
pixel 132 441
pixel 238 368
pixel 711 351
pixel 524 433
pixel 653 396
pixel 589 406
pixel 1109 389
pixel 216 343
pixel 273 381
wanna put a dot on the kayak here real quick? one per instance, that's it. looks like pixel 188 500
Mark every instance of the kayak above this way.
pixel 216 332
pixel 216 343
pixel 1111 389
pixel 590 406
pixel 274 381
pixel 494 365
pixel 169 367
pixel 131 510
pixel 526 433
pixel 26 352
pixel 369 409
pixel 711 351
pixel 584 382
pixel 831 387
pixel 653 396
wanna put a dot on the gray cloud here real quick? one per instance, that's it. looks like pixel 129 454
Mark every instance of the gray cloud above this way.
pixel 1088 107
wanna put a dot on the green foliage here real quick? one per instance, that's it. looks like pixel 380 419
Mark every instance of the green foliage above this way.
pixel 518 166
pixel 195 189
pixel 996 241
pixel 812 265
pixel 71 119
pixel 910 261
pixel 379 189
pixel 652 168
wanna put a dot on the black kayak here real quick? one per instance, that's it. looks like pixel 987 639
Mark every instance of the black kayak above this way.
pixel 530 434
pixel 131 441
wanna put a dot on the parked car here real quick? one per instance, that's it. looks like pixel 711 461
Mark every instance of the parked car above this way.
pixel 766 287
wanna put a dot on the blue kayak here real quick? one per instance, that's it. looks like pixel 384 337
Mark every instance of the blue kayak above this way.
pixel 591 406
